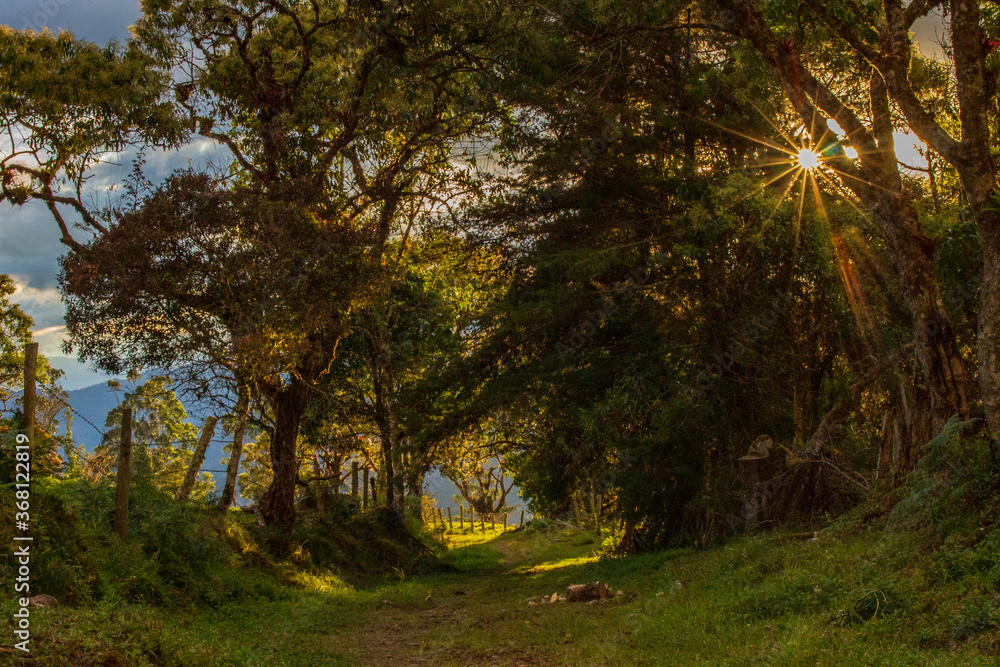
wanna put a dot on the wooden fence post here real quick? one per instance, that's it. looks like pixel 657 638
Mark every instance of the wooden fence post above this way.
pixel 593 509
pixel 505 522
pixel 338 464
pixel 493 522
pixel 451 525
pixel 124 472
pixel 461 517
pixel 354 479
pixel 472 518
pixel 364 488
pixel 522 520
pixel 441 516
pixel 29 398
pixel 318 487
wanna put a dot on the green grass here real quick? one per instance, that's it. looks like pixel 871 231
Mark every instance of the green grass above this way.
pixel 856 595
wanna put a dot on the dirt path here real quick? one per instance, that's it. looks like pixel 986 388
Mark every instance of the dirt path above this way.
pixel 410 638
pixel 477 615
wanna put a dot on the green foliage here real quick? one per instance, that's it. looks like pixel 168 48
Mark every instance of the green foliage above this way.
pixel 15 331
pixel 255 469
pixel 957 471
pixel 180 554
pixel 51 400
pixel 177 550
pixel 162 439
pixel 653 275
pixel 80 100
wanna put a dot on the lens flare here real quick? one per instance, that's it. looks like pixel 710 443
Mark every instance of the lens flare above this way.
pixel 808 159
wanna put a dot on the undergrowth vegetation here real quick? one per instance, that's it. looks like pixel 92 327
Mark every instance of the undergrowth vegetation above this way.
pixel 188 553
pixel 911 575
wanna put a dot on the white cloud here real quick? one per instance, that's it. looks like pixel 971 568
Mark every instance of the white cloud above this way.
pixel 50 340
pixel 46 301
pixel 46 308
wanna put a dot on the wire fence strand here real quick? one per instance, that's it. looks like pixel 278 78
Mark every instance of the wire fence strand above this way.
pixel 55 394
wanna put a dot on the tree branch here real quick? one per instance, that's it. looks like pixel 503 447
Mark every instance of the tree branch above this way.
pixel 894 63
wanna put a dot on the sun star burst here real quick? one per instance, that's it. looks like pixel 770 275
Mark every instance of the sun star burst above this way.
pixel 808 158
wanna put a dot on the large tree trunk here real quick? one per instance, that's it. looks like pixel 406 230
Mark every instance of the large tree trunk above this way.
pixel 913 256
pixel 277 505
pixel 970 156
pixel 976 167
pixel 905 422
pixel 197 459
pixel 236 453
pixel 385 417
pixel 392 470
pixel 988 344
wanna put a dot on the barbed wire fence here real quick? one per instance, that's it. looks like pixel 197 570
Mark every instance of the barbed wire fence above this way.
pixel 54 393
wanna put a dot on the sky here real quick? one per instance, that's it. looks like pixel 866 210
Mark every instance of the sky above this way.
pixel 96 20
pixel 29 239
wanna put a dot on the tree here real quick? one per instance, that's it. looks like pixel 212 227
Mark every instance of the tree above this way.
pixel 476 462
pixel 163 442
pixel 15 332
pixel 664 301
pixel 398 341
pixel 52 400
pixel 882 37
pixel 200 274
pixel 393 79
pixel 874 178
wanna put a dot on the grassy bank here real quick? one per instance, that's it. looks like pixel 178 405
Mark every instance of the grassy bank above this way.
pixel 858 593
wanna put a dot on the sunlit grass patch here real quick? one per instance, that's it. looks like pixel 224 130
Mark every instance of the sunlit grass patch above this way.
pixel 460 538
pixel 322 582
pixel 555 565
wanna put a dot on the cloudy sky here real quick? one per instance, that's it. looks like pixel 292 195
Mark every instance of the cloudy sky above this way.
pixel 29 240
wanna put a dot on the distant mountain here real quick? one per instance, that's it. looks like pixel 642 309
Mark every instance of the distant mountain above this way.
pixel 92 405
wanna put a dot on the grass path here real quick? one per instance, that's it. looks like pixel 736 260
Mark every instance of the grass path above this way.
pixel 769 599
pixel 858 598
pixel 478 614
